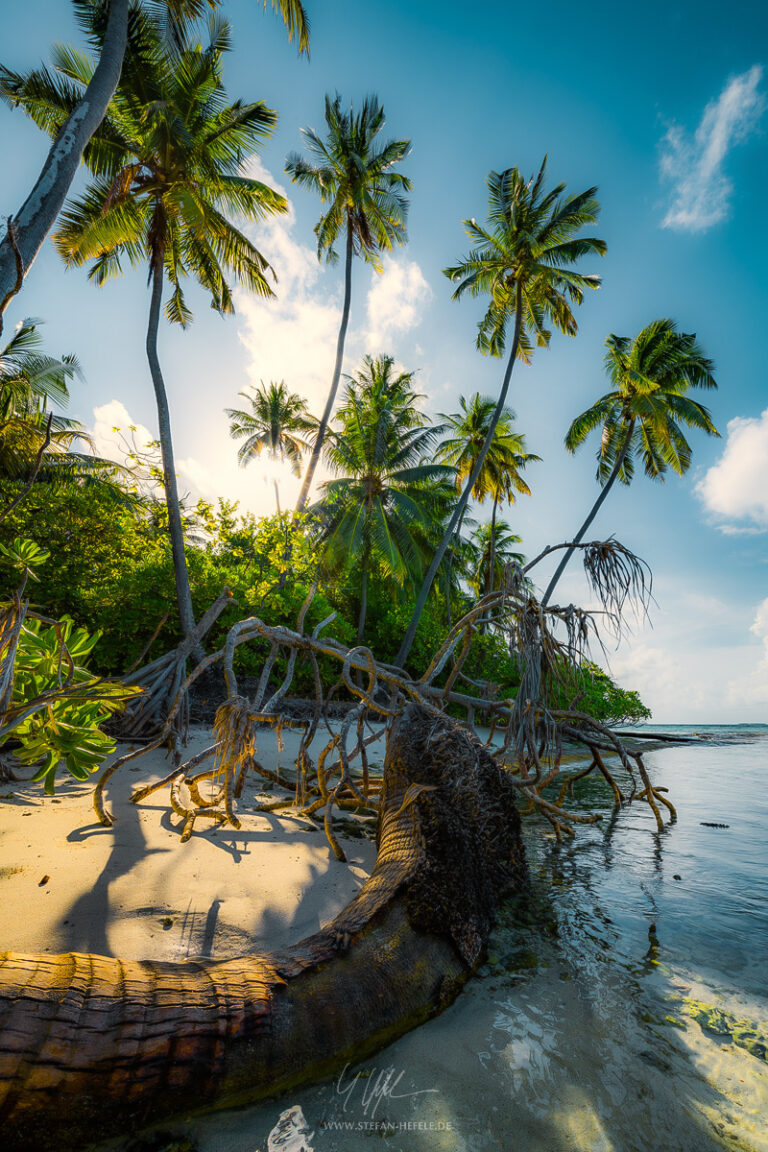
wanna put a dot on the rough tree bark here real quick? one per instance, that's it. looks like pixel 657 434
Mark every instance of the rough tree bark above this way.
pixel 175 527
pixel 91 1046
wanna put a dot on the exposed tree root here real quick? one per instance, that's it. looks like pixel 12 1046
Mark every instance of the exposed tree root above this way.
pixel 91 1046
pixel 527 735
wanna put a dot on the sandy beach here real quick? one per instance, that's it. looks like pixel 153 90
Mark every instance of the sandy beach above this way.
pixel 580 1040
pixel 134 890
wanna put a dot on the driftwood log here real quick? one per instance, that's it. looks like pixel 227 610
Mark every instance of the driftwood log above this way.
pixel 92 1046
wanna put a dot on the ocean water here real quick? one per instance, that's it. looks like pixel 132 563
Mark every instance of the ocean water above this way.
pixel 623 1008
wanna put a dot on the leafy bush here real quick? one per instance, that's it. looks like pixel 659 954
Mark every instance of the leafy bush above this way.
pixel 69 703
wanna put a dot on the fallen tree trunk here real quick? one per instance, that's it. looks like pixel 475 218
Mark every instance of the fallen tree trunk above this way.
pixel 92 1046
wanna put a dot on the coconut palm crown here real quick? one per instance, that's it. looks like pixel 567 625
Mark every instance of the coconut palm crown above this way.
pixel 278 423
pixel 643 415
pixel 354 174
pixel 506 458
pixel 167 164
pixel 523 260
pixel 378 511
pixel 641 418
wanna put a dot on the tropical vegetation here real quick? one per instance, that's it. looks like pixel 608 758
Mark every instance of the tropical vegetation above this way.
pixel 393 541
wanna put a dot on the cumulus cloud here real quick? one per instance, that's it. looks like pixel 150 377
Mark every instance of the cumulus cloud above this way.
pixel 751 687
pixel 293 336
pixel 115 433
pixel 694 166
pixel 700 662
pixel 736 488
pixel 396 299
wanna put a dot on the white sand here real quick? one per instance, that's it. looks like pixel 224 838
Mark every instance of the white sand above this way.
pixel 135 890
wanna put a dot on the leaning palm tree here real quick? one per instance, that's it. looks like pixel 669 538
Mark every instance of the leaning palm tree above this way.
pixel 641 417
pixel 278 423
pixel 523 260
pixel 503 462
pixel 375 513
pixel 353 172
pixel 82 114
pixel 167 165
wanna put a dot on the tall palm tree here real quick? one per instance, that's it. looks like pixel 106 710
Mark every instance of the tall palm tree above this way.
pixel 504 460
pixel 167 161
pixel 277 422
pixel 376 511
pixel 82 114
pixel 641 416
pixel 523 260
pixel 353 172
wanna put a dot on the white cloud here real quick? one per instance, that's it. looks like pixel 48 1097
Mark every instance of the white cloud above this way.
pixel 293 337
pixel 750 688
pixel 396 299
pixel 700 189
pixel 697 659
pixel 736 488
pixel 115 433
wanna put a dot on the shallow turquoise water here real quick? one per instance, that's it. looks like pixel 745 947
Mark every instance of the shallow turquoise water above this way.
pixel 581 1031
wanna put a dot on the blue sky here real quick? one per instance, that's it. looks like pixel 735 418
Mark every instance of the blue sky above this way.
pixel 664 109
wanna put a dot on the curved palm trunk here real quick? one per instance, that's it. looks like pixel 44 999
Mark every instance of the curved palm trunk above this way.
pixel 277 497
pixel 29 228
pixel 492 548
pixel 449 572
pixel 410 635
pixel 491 556
pixel 183 595
pixel 318 445
pixel 92 1046
pixel 593 512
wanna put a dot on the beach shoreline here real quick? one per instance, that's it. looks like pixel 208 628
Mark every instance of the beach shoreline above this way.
pixel 136 891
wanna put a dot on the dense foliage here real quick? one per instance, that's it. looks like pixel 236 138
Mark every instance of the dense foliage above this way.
pixel 391 544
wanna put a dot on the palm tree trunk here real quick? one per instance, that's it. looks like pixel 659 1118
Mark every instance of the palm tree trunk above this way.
pixel 409 637
pixel 449 569
pixel 318 445
pixel 490 581
pixel 29 228
pixel 94 1047
pixel 492 548
pixel 363 603
pixel 277 496
pixel 593 512
pixel 183 595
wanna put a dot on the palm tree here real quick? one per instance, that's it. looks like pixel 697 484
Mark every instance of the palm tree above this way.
pixel 493 547
pixel 376 512
pixel 522 259
pixel 38 444
pixel 500 471
pixel 641 417
pixel 278 422
pixel 74 123
pixel 354 175
pixel 167 163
